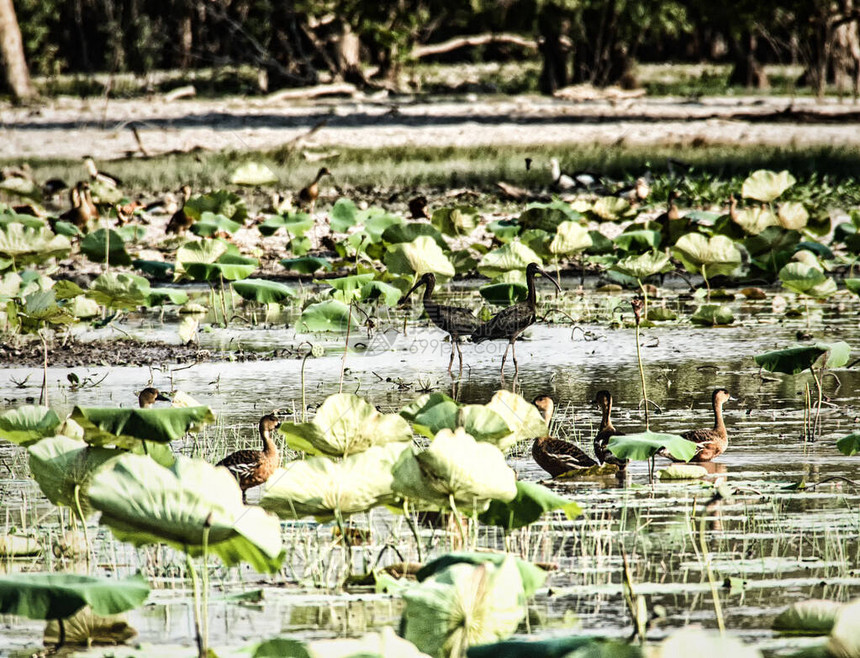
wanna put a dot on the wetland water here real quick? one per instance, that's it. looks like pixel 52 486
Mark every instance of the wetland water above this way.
pixel 769 544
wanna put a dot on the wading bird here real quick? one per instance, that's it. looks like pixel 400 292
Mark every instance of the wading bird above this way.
pixel 557 456
pixel 711 442
pixel 511 322
pixel 456 321
pixel 149 396
pixel 308 195
pixel 607 430
pixel 252 468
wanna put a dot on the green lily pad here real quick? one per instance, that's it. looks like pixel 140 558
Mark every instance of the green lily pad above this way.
pixel 845 636
pixel 330 315
pixel 125 428
pixel 210 223
pixel 28 424
pixel 642 266
pixel 570 237
pixel 418 257
pixel 814 617
pixel 713 315
pixel 307 264
pixel 263 291
pixel 24 245
pixel 343 215
pixel 806 279
pixel 220 202
pixel 145 503
pixel 119 290
pixel 512 256
pixel 253 174
pixel 296 224
pixel 755 220
pixel 60 595
pixel 796 359
pixel 849 445
pixel 161 296
pixel 96 243
pixel 644 445
pixel 682 472
pixel 717 255
pixel 531 501
pixel 409 231
pixel 638 241
pixel 504 294
pixel 455 220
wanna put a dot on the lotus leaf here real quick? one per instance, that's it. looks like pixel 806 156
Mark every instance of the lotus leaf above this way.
pixel 845 636
pixel 642 266
pixel 638 241
pixel 504 294
pixel 538 241
pixel 63 467
pixel 105 243
pixel 431 412
pixel 682 472
pixel 161 296
pixel 65 289
pixel 346 424
pixel 512 256
pixel 60 595
pixel 307 264
pixel 505 229
pixel 755 220
pixel 210 223
pixel 808 280
pixel 464 605
pixel 409 231
pixel 253 174
pixel 645 445
pixel 376 221
pixel 23 245
pixel 420 256
pixel 125 428
pixel 378 290
pixel 296 224
pixel 531 501
pixel 792 215
pixel 343 215
pixel 532 576
pixel 849 445
pixel 794 360
pixel 521 416
pixel 384 644
pixel 154 268
pixel 144 503
pixel 715 255
pixel 455 466
pixel 611 208
pixel 814 617
pixel 703 644
pixel 28 424
pixel 221 202
pixel 764 185
pixel 321 487
pixel 457 220
pixel 557 647
pixel 570 237
pixel 330 315
pixel 87 629
pixel 228 268
pixel 712 315
pixel 547 216
pixel 263 291
pixel 119 290
pixel 348 288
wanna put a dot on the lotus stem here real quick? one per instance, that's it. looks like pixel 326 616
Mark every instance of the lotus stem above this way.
pixel 206 526
pixel 707 283
pixel 223 303
pixel 345 348
pixel 202 649
pixel 346 540
pixel 79 511
pixel 414 528
pixel 43 398
pixel 706 561
pixel 630 597
pixel 304 399
pixel 61 634
pixel 637 309
pixel 816 425
pixel 457 520
pixel 645 300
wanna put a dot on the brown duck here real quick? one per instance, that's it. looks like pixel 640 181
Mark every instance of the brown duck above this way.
pixel 607 430
pixel 149 396
pixel 83 210
pixel 308 195
pixel 711 442
pixel 252 468
pixel 556 456
pixel 181 221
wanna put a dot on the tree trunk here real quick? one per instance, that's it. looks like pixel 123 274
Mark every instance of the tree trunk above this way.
pixel 12 51
pixel 747 70
pixel 349 56
pixel 554 51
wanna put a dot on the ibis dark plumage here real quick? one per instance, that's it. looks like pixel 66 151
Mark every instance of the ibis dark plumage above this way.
pixel 456 321
pixel 511 322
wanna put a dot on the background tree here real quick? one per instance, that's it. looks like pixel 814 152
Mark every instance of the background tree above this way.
pixel 12 51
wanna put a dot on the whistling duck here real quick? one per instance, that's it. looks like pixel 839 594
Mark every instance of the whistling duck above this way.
pixel 711 442
pixel 81 212
pixel 636 193
pixel 607 430
pixel 180 221
pixel 308 195
pixel 148 397
pixel 562 181
pixel 512 321
pixel 418 207
pixel 100 176
pixel 556 456
pixel 252 468
pixel 455 321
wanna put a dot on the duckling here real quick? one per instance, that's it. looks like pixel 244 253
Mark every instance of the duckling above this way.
pixel 100 176
pixel 711 442
pixel 556 456
pixel 149 396
pixel 181 221
pixel 252 468
pixel 607 430
pixel 308 195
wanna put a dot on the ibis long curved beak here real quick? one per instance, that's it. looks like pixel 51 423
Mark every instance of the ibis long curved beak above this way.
pixel 403 299
pixel 554 282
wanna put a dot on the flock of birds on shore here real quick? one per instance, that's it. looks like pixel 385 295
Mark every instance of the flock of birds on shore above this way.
pixel 558 457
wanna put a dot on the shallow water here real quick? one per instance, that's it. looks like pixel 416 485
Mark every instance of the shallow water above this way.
pixel 786 545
